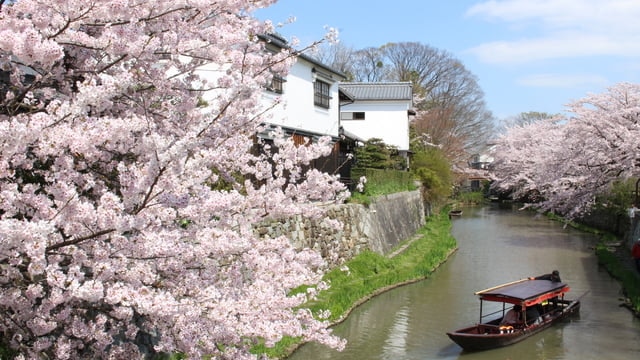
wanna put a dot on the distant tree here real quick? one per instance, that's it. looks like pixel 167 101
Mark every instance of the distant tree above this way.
pixel 524 118
pixel 340 57
pixel 531 116
pixel 421 64
pixel 365 65
pixel 444 126
pixel 368 65
pixel 439 126
pixel 450 104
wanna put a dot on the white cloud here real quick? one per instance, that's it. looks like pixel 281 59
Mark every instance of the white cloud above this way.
pixel 551 29
pixel 561 13
pixel 559 45
pixel 562 80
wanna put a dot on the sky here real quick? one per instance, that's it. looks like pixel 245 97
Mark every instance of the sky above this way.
pixel 528 55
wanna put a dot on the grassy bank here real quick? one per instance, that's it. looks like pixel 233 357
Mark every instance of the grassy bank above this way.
pixel 624 274
pixel 369 274
pixel 613 259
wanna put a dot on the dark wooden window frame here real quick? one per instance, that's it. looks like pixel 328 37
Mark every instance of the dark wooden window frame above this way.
pixel 277 84
pixel 321 94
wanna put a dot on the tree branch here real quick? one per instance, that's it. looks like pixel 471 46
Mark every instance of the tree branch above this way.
pixel 148 195
pixel 78 240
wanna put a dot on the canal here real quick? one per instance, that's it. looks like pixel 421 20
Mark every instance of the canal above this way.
pixel 497 244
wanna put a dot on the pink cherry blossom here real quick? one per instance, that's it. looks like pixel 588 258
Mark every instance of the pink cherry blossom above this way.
pixel 127 207
pixel 569 161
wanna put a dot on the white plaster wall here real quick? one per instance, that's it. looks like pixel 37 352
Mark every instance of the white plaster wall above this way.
pixel 388 121
pixel 297 110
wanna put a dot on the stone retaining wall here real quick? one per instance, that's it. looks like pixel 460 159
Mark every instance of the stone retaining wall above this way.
pixel 606 220
pixel 387 221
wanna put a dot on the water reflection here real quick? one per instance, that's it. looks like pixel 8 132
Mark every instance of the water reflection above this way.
pixel 495 245
pixel 396 342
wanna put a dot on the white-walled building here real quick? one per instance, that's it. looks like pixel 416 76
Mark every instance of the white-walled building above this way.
pixel 309 108
pixel 314 100
pixel 378 110
pixel 310 100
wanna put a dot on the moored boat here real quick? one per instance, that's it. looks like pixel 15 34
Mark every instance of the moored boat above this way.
pixel 542 302
pixel 455 213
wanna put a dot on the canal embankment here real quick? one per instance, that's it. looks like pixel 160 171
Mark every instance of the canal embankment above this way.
pixel 390 243
pixel 385 245
pixel 496 244
pixel 614 252
pixel 379 227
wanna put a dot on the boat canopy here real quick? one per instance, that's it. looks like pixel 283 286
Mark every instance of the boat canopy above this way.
pixel 524 292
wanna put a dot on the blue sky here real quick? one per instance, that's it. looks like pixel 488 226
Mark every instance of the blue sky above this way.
pixel 528 55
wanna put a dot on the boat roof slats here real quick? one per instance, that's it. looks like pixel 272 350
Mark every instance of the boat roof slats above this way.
pixel 529 291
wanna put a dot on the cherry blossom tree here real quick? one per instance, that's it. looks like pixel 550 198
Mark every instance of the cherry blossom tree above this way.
pixel 129 188
pixel 570 161
pixel 520 155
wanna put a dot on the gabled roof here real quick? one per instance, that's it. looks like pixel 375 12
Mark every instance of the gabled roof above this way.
pixel 281 42
pixel 378 90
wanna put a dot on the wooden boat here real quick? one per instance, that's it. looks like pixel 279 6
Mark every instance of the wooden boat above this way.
pixel 543 305
pixel 455 213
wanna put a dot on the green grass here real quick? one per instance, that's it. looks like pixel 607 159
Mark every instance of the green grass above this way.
pixel 623 274
pixel 370 273
pixel 605 236
pixel 470 197
pixel 627 278
pixel 382 182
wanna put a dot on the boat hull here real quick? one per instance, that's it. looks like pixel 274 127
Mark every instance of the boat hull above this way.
pixel 489 336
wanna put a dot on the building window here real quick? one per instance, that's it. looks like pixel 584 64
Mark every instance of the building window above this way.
pixel 276 85
pixel 321 94
pixel 359 115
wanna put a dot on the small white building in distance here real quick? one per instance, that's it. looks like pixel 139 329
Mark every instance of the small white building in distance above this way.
pixel 378 110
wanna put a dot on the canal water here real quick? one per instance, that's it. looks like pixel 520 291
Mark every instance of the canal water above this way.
pixel 497 244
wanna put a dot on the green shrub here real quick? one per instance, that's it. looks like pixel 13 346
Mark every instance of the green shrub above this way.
pixel 375 154
pixel 384 181
pixel 434 172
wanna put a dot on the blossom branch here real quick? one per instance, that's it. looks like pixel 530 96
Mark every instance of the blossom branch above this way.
pixel 78 240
